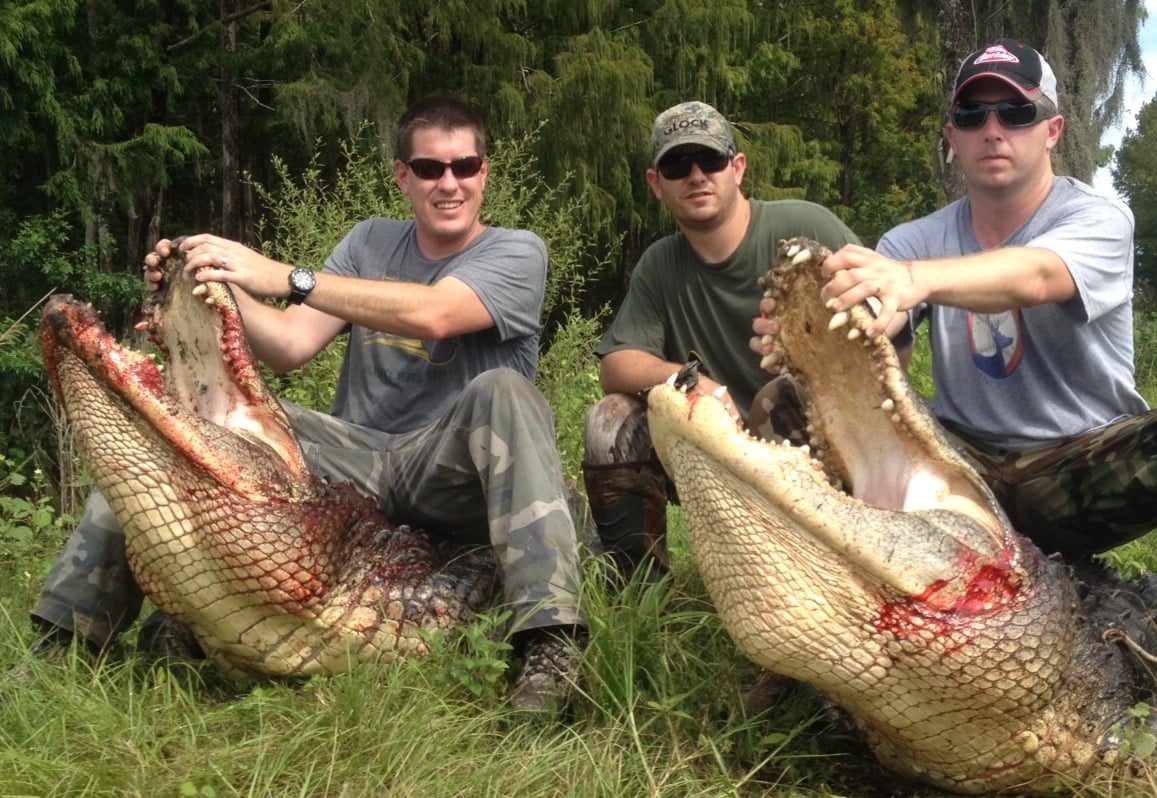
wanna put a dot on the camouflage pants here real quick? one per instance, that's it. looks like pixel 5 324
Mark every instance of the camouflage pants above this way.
pixel 1080 496
pixel 487 472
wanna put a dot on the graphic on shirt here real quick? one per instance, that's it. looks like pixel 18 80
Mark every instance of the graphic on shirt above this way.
pixel 995 342
pixel 436 353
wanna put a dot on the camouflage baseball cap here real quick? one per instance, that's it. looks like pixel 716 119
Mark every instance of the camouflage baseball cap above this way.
pixel 690 123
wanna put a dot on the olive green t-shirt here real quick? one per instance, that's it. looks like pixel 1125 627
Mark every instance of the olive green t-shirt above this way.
pixel 678 307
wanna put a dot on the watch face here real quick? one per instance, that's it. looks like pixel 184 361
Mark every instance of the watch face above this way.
pixel 302 279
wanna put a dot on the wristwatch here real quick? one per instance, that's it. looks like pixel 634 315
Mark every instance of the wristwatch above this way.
pixel 301 282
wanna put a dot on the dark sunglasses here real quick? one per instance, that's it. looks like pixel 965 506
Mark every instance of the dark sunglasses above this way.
pixel 431 169
pixel 678 167
pixel 1011 113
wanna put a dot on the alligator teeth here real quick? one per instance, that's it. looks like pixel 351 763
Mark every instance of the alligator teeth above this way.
pixel 803 256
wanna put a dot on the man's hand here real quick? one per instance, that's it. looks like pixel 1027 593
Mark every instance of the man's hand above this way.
pixel 857 273
pixel 211 257
pixel 153 273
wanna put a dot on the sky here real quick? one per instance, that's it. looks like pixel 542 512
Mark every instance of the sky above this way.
pixel 1138 93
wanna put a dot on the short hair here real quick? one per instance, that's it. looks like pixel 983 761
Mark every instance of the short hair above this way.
pixel 446 113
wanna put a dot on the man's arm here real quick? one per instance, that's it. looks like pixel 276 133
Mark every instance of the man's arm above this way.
pixel 988 282
pixel 633 371
pixel 285 339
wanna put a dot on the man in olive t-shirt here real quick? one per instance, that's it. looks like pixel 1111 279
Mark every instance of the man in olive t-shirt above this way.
pixel 693 295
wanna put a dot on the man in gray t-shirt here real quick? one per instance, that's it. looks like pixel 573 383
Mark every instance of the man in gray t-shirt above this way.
pixel 1026 283
pixel 436 392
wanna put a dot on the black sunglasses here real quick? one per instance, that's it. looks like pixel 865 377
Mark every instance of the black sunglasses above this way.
pixel 677 167
pixel 1011 113
pixel 431 169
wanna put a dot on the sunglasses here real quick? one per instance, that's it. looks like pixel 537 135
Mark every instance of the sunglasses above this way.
pixel 678 167
pixel 431 169
pixel 1011 113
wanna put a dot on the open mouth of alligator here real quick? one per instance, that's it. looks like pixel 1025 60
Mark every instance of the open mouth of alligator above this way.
pixel 205 401
pixel 878 485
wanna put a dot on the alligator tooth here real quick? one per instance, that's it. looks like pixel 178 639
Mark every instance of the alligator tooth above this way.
pixel 838 320
pixel 854 333
pixel 768 360
pixel 804 256
pixel 793 250
pixel 888 405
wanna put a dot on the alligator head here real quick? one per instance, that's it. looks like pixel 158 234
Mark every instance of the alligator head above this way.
pixel 274 571
pixel 875 565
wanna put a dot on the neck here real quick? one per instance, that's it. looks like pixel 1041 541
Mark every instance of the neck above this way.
pixel 997 214
pixel 716 243
pixel 434 247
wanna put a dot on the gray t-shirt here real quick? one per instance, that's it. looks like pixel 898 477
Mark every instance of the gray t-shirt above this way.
pixel 678 306
pixel 1026 377
pixel 398 384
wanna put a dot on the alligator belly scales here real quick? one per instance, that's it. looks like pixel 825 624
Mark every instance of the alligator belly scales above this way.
pixel 273 570
pixel 875 565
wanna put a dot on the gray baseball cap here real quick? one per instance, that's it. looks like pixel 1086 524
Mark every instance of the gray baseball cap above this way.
pixel 690 123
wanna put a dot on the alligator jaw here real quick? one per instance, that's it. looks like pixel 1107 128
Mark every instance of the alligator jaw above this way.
pixel 210 384
pixel 939 556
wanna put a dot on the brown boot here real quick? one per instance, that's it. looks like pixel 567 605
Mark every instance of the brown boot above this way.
pixel 629 505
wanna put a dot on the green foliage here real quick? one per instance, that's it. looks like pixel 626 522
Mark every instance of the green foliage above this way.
pixel 30 525
pixel 1135 178
pixel 1137 738
pixel 473 659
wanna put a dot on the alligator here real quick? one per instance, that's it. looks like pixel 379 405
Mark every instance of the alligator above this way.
pixel 873 563
pixel 274 571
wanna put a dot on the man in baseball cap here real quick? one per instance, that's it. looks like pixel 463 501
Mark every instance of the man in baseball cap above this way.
pixel 1014 63
pixel 690 123
pixel 1026 285
pixel 691 297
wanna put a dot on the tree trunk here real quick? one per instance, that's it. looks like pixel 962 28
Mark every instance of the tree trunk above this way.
pixel 957 40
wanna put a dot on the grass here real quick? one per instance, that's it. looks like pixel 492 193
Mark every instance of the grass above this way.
pixel 659 714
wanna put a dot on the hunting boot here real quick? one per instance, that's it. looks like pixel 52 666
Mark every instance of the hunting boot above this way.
pixel 165 638
pixel 550 669
pixel 629 506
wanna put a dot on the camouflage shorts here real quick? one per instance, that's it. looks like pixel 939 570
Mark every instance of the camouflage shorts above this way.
pixel 460 477
pixel 1079 496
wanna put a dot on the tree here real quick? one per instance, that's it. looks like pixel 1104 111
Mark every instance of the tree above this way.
pixel 1135 178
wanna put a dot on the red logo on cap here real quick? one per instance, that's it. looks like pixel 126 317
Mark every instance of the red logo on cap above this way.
pixel 998 52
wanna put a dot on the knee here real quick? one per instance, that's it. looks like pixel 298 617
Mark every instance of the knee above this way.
pixel 616 431
pixel 504 384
